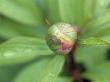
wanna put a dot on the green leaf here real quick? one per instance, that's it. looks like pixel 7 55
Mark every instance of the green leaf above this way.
pixel 97 77
pixel 52 70
pixel 52 10
pixel 6 28
pixel 37 31
pixel 99 73
pixel 24 11
pixel 44 70
pixel 7 73
pixel 32 71
pixel 97 25
pixel 106 38
pixel 89 9
pixel 77 12
pixel 22 49
pixel 63 79
pixel 10 29
pixel 102 6
pixel 65 11
pixel 90 56
pixel 92 41
pixel 71 11
pixel 41 4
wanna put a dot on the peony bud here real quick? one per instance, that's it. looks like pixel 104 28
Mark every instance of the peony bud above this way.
pixel 61 38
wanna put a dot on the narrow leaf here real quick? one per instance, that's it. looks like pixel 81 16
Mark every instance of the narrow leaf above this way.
pixel 22 49
pixel 92 41
pixel 46 70
pixel 24 11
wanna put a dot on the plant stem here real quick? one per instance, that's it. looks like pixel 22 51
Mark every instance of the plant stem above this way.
pixel 73 67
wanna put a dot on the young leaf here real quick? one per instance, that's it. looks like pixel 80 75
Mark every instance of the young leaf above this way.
pixel 22 49
pixel 92 41
pixel 24 11
pixel 44 70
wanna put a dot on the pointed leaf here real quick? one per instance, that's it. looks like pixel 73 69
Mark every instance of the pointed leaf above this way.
pixel 44 70
pixel 93 42
pixel 22 49
pixel 24 11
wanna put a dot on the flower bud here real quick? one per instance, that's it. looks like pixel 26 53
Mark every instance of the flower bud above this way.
pixel 61 38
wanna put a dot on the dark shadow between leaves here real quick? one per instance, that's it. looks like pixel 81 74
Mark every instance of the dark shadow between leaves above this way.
pixel 108 54
pixel 81 67
pixel 2 39
pixel 84 80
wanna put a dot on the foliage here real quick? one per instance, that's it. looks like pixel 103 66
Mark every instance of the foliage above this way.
pixel 24 54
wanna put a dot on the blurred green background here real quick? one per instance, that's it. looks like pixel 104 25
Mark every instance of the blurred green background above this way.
pixel 31 18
